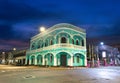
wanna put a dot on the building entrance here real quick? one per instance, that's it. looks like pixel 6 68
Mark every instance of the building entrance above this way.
pixel 63 60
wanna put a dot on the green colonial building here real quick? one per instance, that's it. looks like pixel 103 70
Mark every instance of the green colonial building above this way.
pixel 60 45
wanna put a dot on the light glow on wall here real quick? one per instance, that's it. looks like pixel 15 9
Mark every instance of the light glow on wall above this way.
pixel 103 54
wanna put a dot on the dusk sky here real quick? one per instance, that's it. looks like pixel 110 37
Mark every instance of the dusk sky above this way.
pixel 21 19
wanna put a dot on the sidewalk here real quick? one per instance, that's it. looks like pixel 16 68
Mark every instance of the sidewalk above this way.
pixel 11 67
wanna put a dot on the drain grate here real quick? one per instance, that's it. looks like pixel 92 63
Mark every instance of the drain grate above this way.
pixel 29 76
pixel 107 79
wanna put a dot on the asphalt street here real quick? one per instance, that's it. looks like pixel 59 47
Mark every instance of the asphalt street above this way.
pixel 59 75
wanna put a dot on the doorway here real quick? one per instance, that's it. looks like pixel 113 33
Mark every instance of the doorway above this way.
pixel 63 60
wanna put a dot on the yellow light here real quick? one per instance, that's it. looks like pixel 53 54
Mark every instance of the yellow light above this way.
pixel 42 29
pixel 14 49
pixel 3 52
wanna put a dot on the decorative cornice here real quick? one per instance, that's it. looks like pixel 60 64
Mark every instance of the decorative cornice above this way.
pixel 60 26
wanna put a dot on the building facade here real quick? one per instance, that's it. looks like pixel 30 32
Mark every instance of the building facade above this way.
pixel 61 45
pixel 16 57
pixel 13 57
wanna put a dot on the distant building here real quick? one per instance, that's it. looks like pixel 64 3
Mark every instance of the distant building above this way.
pixel 61 45
pixel 3 57
pixel 103 55
pixel 16 57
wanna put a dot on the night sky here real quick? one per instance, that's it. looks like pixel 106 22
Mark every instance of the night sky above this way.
pixel 21 19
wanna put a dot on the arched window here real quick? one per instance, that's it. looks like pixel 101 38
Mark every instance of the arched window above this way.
pixel 38 45
pixel 78 59
pixel 51 42
pixel 42 45
pixel 82 42
pixel 77 42
pixel 45 44
pixel 33 46
pixel 72 41
pixel 63 40
pixel 51 57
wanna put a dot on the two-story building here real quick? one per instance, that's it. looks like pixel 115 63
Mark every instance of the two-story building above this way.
pixel 60 45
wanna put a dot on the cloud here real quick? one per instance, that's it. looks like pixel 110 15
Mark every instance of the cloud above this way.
pixel 20 19
pixel 10 44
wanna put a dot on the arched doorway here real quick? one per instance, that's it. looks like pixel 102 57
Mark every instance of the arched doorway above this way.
pixel 79 59
pixel 32 60
pixel 27 59
pixel 39 59
pixel 49 59
pixel 62 59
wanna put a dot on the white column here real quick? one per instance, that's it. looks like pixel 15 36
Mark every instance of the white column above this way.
pixel 26 61
pixel 55 61
pixel 29 60
pixel 35 60
pixel 68 62
pixel 85 60
pixel 43 61
pixel 71 61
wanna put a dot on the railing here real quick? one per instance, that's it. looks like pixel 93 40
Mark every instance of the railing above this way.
pixel 69 46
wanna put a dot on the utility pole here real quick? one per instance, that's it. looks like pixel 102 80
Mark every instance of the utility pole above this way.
pixel 89 53
pixel 92 54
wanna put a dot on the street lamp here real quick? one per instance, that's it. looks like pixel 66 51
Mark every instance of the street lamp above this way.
pixel 103 53
pixel 97 49
pixel 14 49
pixel 101 43
pixel 98 61
pixel 42 29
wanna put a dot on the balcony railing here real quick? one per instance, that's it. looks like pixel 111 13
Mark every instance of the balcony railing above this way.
pixel 55 46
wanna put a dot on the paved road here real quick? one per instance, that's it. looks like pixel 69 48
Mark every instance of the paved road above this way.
pixel 63 75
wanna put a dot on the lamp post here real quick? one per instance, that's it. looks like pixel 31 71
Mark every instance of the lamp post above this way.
pixel 97 49
pixel 98 62
pixel 103 53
